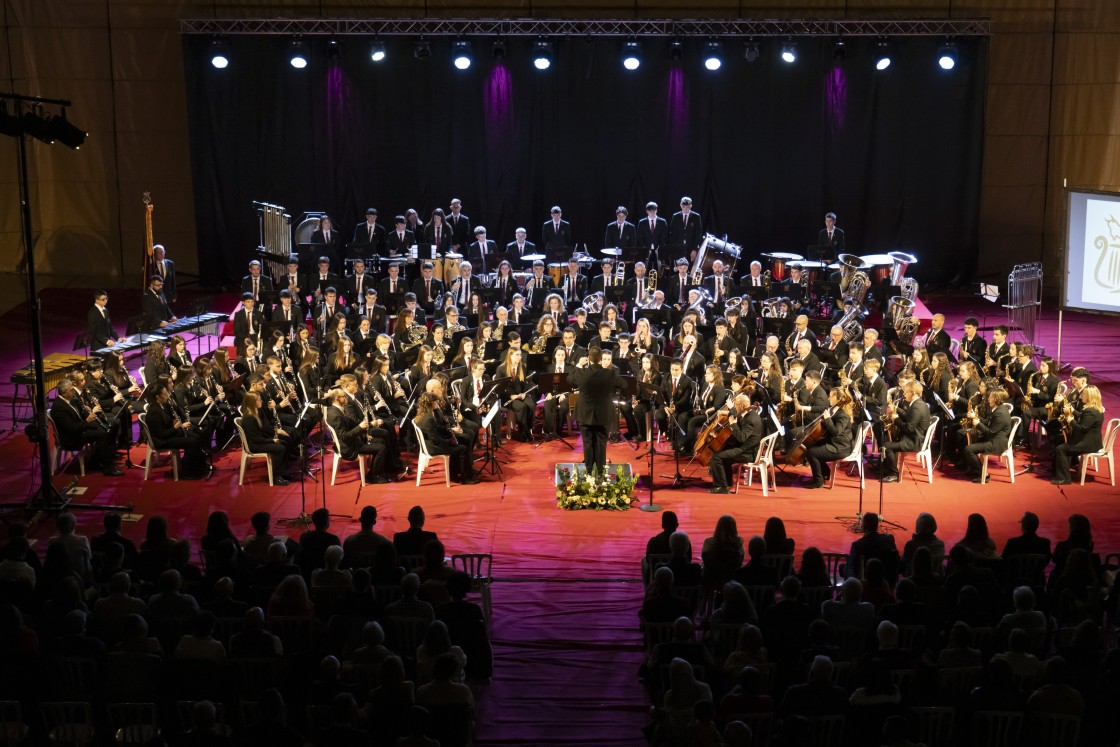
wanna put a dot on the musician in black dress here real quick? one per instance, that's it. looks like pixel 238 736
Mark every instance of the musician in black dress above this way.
pixel 250 359
pixel 439 439
pixel 1083 434
pixel 353 437
pixel 265 436
pixel 746 433
pixel 907 432
pixel 711 397
pixel 78 426
pixel 155 364
pixel 837 441
pixel 521 403
pixel 196 405
pixel 1041 389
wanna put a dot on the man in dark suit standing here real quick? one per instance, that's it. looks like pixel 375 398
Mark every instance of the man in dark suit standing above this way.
pixel 369 234
pixel 255 282
pixel 481 252
pixel 354 289
pixel 165 268
pixel 621 232
pixel 831 237
pixel 401 239
pixel 653 231
pixel 248 323
pixel 155 306
pixel 99 327
pixel 686 228
pixel 427 288
pixel 556 233
pixel 909 431
pixel 595 410
pixel 328 237
pixel 519 247
pixel 299 283
pixel 460 226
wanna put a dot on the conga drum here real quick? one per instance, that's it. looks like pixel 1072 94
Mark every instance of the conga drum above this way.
pixel 556 272
pixel 451 262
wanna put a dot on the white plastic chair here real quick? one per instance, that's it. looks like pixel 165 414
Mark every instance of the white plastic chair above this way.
pixel 338 456
pixel 1007 455
pixel 855 457
pixel 423 458
pixel 764 463
pixel 246 455
pixel 1105 453
pixel 925 454
pixel 154 452
pixel 57 452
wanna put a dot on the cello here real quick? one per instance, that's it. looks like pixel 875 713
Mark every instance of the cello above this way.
pixel 795 454
pixel 714 435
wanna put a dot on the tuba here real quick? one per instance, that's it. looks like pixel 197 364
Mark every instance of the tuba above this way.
pixel 854 282
pixel 853 330
pixel 900 314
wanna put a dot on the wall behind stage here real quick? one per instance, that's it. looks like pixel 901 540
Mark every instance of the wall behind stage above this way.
pixel 763 148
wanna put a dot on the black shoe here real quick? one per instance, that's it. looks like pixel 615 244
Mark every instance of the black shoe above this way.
pixel 192 475
pixel 815 484
pixel 981 480
pixel 379 480
pixel 281 481
pixel 890 478
pixel 718 490
pixel 1059 481
pixel 470 481
pixel 111 472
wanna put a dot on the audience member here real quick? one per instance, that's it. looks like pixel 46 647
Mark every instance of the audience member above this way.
pixel 744 698
pixel 271 727
pixel 925 535
pixel 275 568
pixel 155 549
pixel 361 547
pixel 418 720
pixel 373 651
pixel 199 644
pixel 291 599
pixel 660 604
pixel 314 543
pixel 256 544
pixel 777 543
pixel 1024 665
pixel 872 544
pixel 332 576
pixel 818 696
pixel 412 540
pixel 722 553
pixel 785 624
pixel 410 606
pixel 849 612
pixel 444 689
pixel 959 652
pixel 876 590
pixel 204 731
pixel 813 572
pixel 977 540
pixel 685 572
pixel 467 627
pixel 217 531
pixel 1055 695
pixel 658 544
pixel 253 641
pixel 99 545
pixel 436 643
pixel 170 602
pixel 755 572
pixel 77 545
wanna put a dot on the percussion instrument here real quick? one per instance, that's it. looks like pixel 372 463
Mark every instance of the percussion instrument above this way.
pixel 778 262
pixel 56 367
pixel 811 268
pixel 880 268
pixel 437 267
pixel 711 249
pixel 612 251
pixel 451 262
pixel 556 272
pixel 531 257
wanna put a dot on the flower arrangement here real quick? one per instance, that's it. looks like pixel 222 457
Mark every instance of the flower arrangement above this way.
pixel 595 491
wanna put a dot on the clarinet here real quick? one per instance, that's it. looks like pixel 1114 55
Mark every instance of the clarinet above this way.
pixel 101 418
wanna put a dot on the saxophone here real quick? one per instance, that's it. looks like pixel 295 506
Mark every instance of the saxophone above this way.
pixel 1051 406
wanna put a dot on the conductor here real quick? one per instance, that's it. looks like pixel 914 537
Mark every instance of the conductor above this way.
pixel 595 410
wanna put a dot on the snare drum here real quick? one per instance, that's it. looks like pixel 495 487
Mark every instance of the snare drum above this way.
pixel 556 272
pixel 778 261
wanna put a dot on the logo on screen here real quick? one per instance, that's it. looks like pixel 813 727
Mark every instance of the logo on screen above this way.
pixel 1107 272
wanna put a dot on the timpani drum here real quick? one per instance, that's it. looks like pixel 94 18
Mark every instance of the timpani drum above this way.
pixel 778 264
pixel 880 271
pixel 811 268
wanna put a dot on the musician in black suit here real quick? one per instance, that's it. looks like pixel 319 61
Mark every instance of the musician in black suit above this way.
pixel 427 288
pixel 652 231
pixel 369 234
pixel 556 233
pixel 354 287
pixel 992 433
pixel 712 397
pixel 165 268
pixel 262 433
pixel 676 393
pixel 1084 437
pixel 873 393
pixel 834 352
pixel 169 431
pixel 99 327
pixel 720 285
pixel 830 236
pixel 837 442
pixel 620 232
pixel 441 440
pixel 460 226
pixel 288 310
pixel 573 285
pixel 481 252
pixel 746 432
pixel 809 360
pixel 596 380
pixel 800 332
pixel 248 321
pixel 519 247
pixel 324 314
pixel 972 344
pixel 537 288
pixel 937 339
pixel 392 287
pixel 604 279
pixel 438 233
pixel 328 237
pixel 255 281
pixel 686 228
pixel 678 286
pixel 76 428
pixel 353 436
pixel 906 433
pixel 324 279
pixel 155 306
pixel 298 283
pixel 400 239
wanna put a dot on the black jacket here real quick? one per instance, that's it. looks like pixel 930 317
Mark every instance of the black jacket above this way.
pixel 596 394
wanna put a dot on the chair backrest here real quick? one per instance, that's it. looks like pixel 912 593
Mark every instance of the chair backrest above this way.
pixel 143 376
pixel 935 725
pixel 766 448
pixel 1055 729
pixel 75 677
pixel 421 445
pixel 475 564
pixel 69 723
pixel 927 439
pixel 241 434
pixel 827 730
pixel 1016 421
pixel 834 561
pixel 143 418
pixel 1110 432
pixel 52 431
pixel 996 728
pixel 334 437
pixel 783 564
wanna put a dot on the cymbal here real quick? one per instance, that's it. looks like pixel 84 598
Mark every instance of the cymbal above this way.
pixel 613 251
pixel 531 257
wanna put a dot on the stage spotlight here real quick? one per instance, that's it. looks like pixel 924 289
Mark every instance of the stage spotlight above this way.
pixel 298 54
pixel 676 49
pixel 498 49
pixel 631 55
pixel 542 54
pixel 839 48
pixel 66 133
pixel 461 54
pixel 947 56
pixel 219 54
pixel 38 125
pixel 713 55
pixel 421 49
pixel 882 55
pixel 789 52
pixel 750 51
pixel 334 49
pixel 377 51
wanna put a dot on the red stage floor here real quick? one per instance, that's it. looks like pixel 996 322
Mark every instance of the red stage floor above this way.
pixel 565 601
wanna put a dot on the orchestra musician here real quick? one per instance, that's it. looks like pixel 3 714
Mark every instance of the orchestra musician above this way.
pixel 872 396
pixel 265 435
pixel 1065 404
pixel 427 288
pixel 250 359
pixel 556 233
pixel 720 286
pixel 938 378
pixel 354 286
pixel 1041 389
pixel 481 252
pixel 352 436
pixel 605 279
pixel 712 398
pixel 996 350
pixel 1083 433
pixel 809 400
pixel 643 339
pixel 652 231
pixel 742 446
pixel 449 411
pixel 520 246
pixel 992 433
pixel 154 305
pixel 973 346
pixel 99 327
pixel 165 268
pixel 296 282
pixel 517 394
pixel 834 353
pixel 343 361
pixel 677 391
pixel 370 235
pixel 625 359
pixel 573 286
pixel 837 441
pixel 806 355
pixel 459 224
pixel 634 412
pixel 288 310
pixel 800 332
pixel 336 330
pixel 505 284
pixel 248 321
pixel 678 286
pixel 402 237
pixel 111 399
pixel 255 282
pixel 768 378
pixel 831 236
pixel 937 339
pixel 437 233
pixel 554 407
pixel 168 430
pixel 155 364
pixel 469 390
pixel 439 439
pixel 391 393
pixel 327 237
pixel 194 402
pixel 686 228
pixel 620 232
pixel 178 355
pixel 357 409
pixel 717 348
pixel 906 433
pixel 324 280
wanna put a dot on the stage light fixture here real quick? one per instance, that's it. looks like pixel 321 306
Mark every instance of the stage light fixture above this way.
pixel 676 49
pixel 789 52
pixel 219 54
pixel 542 54
pixel 334 49
pixel 839 48
pixel 750 51
pixel 68 134
pixel 713 55
pixel 882 55
pixel 297 56
pixel 632 55
pixel 377 50
pixel 38 125
pixel 421 49
pixel 498 49
pixel 461 55
pixel 947 56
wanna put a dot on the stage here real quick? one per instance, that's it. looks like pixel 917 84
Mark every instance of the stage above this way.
pixel 567 583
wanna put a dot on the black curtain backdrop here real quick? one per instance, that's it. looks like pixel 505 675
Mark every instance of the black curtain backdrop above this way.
pixel 763 148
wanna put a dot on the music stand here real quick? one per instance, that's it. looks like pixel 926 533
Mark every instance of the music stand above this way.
pixel 627 388
pixel 554 384
pixel 615 294
pixel 139 325
pixel 492 389
pixel 81 342
pixel 457 337
pixel 649 393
